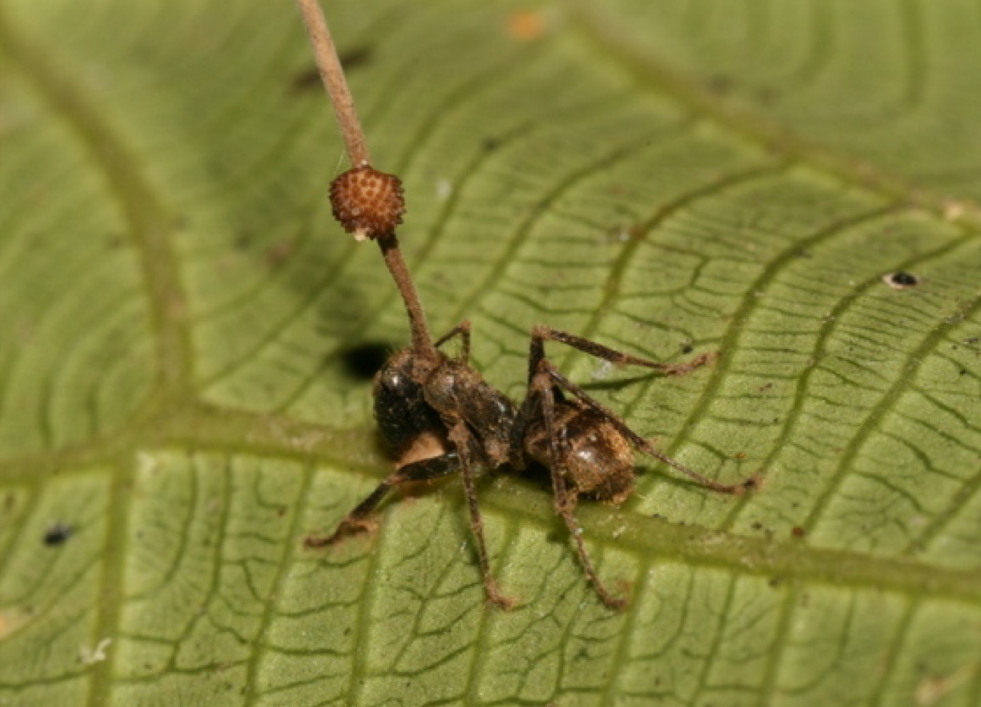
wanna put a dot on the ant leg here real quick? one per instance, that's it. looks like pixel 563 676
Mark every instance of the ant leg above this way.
pixel 460 437
pixel 541 334
pixel 519 430
pixel 359 520
pixel 566 499
pixel 463 331
pixel 638 441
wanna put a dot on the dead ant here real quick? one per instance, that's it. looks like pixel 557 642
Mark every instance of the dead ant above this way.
pixel 439 416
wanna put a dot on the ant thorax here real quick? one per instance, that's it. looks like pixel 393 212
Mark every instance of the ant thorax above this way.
pixel 459 392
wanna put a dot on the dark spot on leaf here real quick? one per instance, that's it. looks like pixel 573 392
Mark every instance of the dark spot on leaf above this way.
pixel 797 532
pixel 687 347
pixel 364 360
pixel 278 253
pixel 356 57
pixel 719 84
pixel 901 280
pixel 308 79
pixel 491 143
pixel 243 241
pixel 58 534
pixel 766 95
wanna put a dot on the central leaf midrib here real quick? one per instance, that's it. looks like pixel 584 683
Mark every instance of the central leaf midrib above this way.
pixel 791 559
pixel 787 560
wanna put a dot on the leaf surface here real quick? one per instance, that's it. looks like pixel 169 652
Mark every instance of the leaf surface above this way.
pixel 189 339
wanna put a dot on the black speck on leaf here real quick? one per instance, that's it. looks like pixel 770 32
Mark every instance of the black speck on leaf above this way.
pixel 58 534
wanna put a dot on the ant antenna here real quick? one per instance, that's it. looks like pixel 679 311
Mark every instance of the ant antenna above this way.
pixel 366 202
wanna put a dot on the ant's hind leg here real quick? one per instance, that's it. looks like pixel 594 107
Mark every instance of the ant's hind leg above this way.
pixel 566 499
pixel 359 520
pixel 642 444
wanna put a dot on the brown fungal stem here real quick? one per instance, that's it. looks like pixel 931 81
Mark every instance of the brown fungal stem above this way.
pixel 332 74
pixel 421 339
pixel 335 82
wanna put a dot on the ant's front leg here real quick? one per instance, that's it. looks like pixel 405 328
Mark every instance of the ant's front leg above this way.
pixel 540 334
pixel 359 520
pixel 460 437
pixel 463 331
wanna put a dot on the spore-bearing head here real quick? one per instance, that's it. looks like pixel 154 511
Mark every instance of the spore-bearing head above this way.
pixel 366 202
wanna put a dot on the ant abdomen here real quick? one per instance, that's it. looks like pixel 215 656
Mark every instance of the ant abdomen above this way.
pixel 595 459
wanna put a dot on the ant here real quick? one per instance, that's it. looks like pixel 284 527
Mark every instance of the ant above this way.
pixel 438 416
pixel 436 413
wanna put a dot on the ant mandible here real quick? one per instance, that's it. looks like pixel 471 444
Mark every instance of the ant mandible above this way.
pixel 437 414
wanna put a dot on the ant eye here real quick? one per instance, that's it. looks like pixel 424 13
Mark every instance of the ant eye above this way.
pixel 366 202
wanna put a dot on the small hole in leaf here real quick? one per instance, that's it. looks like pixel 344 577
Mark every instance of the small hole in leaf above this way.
pixel 901 280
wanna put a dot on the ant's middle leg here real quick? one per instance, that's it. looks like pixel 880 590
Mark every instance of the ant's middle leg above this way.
pixel 359 520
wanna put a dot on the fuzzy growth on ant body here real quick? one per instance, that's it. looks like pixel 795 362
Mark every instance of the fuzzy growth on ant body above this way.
pixel 436 412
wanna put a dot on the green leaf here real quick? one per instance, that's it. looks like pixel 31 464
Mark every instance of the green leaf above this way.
pixel 183 394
